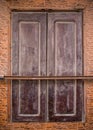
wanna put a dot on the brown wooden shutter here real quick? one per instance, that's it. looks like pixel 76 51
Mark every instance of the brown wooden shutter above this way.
pixel 64 58
pixel 28 59
pixel 59 100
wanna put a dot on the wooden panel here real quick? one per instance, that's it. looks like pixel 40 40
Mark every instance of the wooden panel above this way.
pixel 65 48
pixel 29 46
pixel 29 64
pixel 65 59
pixel 29 98
pixel 65 98
pixel 30 58
pixel 65 65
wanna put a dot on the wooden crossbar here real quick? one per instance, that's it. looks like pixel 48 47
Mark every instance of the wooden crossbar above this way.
pixel 46 77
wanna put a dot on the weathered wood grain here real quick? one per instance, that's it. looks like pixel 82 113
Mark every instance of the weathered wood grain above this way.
pixel 29 59
pixel 65 59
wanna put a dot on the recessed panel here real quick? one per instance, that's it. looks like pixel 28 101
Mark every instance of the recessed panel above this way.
pixel 29 46
pixel 29 98
pixel 65 65
pixel 65 48
pixel 65 98
pixel 29 65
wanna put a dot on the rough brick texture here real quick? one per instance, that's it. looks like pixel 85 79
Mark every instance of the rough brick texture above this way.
pixel 6 6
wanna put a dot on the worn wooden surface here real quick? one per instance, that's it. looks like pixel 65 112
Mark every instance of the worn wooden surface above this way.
pixel 8 77
pixel 29 59
pixel 65 59
pixel 61 46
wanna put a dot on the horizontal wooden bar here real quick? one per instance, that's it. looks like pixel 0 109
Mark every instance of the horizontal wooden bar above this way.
pixel 46 77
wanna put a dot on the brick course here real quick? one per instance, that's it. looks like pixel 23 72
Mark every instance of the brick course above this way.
pixel 6 6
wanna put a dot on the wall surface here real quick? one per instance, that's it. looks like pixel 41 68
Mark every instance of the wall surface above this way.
pixel 6 6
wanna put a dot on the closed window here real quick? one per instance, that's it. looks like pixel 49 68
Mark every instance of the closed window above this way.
pixel 47 44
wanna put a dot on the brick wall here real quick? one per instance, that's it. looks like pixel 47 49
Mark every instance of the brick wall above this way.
pixel 5 40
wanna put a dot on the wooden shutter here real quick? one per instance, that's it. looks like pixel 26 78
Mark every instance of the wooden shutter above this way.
pixel 59 100
pixel 64 58
pixel 28 59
